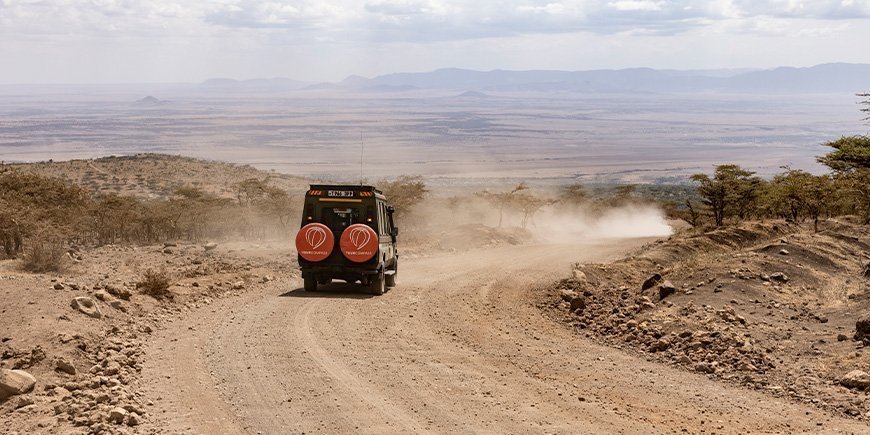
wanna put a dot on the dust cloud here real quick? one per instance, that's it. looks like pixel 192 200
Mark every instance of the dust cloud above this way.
pixel 470 220
pixel 578 223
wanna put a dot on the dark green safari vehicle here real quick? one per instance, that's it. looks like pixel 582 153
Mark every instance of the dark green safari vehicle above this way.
pixel 347 233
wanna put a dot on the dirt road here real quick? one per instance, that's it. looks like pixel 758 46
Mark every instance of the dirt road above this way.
pixel 458 346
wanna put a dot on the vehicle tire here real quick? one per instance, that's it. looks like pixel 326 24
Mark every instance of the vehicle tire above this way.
pixel 391 279
pixel 324 281
pixel 377 284
pixel 310 282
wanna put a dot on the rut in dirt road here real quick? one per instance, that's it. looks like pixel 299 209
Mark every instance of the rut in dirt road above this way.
pixel 458 346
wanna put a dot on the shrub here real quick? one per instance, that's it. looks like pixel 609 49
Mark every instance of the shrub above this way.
pixel 44 254
pixel 155 283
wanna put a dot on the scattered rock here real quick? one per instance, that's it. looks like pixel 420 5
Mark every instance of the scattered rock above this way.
pixel 666 289
pixel 58 286
pixel 169 245
pixel 23 401
pixel 132 419
pixel 87 306
pixel 238 285
pixel 117 414
pixel 119 292
pixel 856 379
pixel 167 250
pixel 842 337
pixel 567 295
pixel 116 304
pixel 578 303
pixel 65 366
pixel 651 282
pixel 15 382
pixel 783 252
pixel 102 295
pixel 779 276
pixel 862 329
pixel 210 246
pixel 579 276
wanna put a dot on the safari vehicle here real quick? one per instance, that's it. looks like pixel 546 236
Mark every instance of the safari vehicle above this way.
pixel 347 233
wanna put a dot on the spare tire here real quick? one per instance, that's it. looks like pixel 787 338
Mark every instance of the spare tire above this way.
pixel 359 243
pixel 315 242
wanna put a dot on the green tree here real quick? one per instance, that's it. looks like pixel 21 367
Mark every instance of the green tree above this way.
pixel 731 191
pixel 850 161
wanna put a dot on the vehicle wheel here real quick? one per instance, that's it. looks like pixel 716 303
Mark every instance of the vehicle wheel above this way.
pixel 310 283
pixel 391 279
pixel 376 285
pixel 324 281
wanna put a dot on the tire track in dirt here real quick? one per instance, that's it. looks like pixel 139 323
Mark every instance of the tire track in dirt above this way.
pixel 355 386
pixel 458 347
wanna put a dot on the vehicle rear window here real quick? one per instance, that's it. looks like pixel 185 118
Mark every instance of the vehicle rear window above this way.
pixel 339 218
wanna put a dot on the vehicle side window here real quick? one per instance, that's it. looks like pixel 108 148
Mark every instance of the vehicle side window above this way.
pixel 381 223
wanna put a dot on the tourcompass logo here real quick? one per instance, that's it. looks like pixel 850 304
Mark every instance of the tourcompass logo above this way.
pixel 360 237
pixel 315 236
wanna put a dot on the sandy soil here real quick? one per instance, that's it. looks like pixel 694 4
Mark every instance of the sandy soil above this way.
pixel 459 346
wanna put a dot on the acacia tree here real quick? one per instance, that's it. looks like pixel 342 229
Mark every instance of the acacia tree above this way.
pixel 850 161
pixel 501 200
pixel 730 190
pixel 798 194
pixel 404 193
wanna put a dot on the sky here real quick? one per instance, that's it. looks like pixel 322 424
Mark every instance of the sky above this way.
pixel 129 41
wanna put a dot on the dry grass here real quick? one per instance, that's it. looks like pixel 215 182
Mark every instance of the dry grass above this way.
pixel 155 283
pixel 44 254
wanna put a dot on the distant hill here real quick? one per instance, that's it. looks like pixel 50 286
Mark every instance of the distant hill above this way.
pixel 148 101
pixel 156 175
pixel 835 77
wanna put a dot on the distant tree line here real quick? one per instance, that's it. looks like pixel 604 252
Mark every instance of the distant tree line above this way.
pixel 733 193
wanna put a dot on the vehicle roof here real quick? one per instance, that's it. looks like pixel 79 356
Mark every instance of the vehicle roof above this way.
pixel 354 187
pixel 318 188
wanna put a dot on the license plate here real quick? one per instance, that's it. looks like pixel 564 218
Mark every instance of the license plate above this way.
pixel 340 193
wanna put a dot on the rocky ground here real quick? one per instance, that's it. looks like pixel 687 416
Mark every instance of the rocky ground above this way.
pixel 71 344
pixel 770 306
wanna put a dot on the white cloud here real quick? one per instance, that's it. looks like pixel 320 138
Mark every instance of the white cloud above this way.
pixel 210 37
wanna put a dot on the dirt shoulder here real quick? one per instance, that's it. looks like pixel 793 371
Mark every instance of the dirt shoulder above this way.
pixel 768 306
pixel 87 361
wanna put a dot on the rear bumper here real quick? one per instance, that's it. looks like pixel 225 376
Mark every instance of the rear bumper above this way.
pixel 339 271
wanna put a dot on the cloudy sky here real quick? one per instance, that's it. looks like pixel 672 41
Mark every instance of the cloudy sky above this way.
pixel 101 41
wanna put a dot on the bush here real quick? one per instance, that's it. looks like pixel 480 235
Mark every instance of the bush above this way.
pixel 44 254
pixel 155 283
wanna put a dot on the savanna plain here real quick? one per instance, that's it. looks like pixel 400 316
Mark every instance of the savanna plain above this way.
pixel 569 263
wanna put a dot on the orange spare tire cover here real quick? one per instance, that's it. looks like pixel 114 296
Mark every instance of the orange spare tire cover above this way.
pixel 314 242
pixel 359 243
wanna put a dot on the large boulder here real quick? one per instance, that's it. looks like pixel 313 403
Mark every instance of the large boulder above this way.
pixel 651 282
pixel 87 306
pixel 14 382
pixel 862 329
pixel 856 379
pixel 666 289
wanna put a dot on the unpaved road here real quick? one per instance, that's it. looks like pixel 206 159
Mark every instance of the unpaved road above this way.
pixel 458 346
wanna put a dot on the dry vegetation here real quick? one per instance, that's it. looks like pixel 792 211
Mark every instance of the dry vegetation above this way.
pixel 46 215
